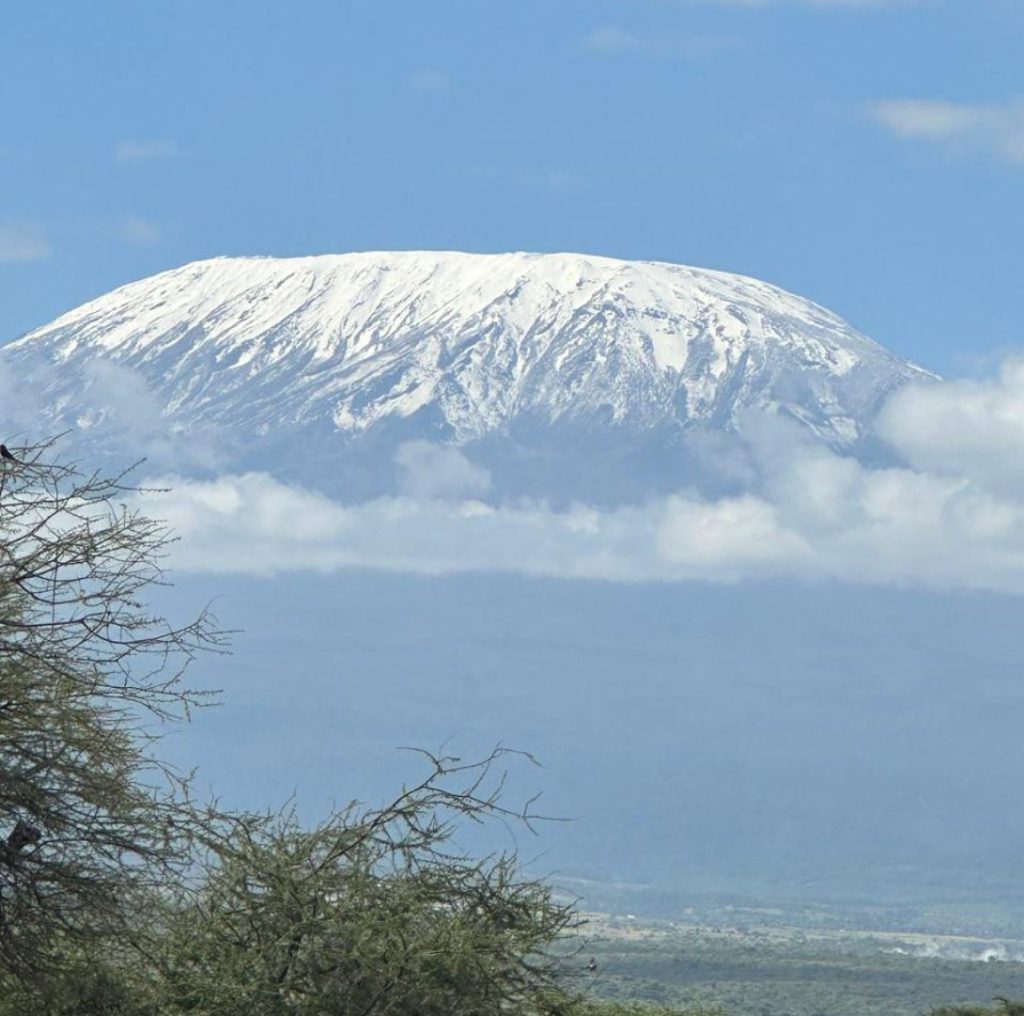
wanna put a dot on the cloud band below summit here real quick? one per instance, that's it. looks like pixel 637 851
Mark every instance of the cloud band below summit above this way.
pixel 951 517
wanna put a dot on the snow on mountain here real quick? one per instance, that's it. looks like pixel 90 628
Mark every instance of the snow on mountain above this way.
pixel 455 347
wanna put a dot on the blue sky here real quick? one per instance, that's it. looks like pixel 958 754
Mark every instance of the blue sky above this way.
pixel 869 155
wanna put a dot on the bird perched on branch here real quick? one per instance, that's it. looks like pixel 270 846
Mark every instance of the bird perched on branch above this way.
pixel 5 454
pixel 22 835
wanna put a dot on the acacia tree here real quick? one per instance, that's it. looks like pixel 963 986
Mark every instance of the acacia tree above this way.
pixel 90 818
pixel 372 912
pixel 117 895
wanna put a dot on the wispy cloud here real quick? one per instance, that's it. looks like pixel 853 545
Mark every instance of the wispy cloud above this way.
pixel 430 82
pixel 146 151
pixel 125 417
pixel 612 41
pixel 139 231
pixel 429 470
pixel 867 3
pixel 525 177
pixel 997 128
pixel 835 4
pixel 23 241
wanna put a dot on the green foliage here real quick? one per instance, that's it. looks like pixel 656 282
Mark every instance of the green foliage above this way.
pixel 84 986
pixel 89 817
pixel 1004 1007
pixel 369 912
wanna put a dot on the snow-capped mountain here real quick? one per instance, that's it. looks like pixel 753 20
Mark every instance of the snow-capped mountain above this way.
pixel 335 350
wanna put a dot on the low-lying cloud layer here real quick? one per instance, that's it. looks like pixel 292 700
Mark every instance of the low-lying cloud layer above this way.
pixel 952 516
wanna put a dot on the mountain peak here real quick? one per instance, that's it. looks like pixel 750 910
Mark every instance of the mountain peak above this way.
pixel 461 347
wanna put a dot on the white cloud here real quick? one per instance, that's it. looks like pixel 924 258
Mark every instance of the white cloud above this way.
pixel 611 41
pixel 952 517
pixel 123 400
pixel 145 151
pixel 139 231
pixel 23 241
pixel 994 127
pixel 728 538
pixel 892 527
pixel 254 524
pixel 963 428
pixel 125 420
pixel 428 470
